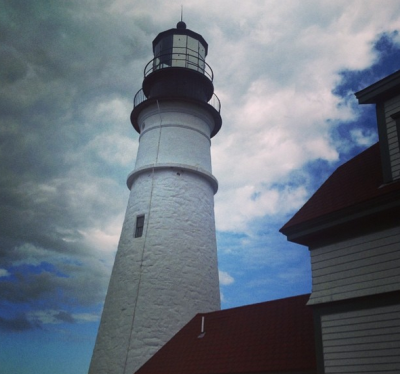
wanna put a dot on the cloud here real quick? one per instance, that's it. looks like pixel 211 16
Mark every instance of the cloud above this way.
pixel 4 273
pixel 54 280
pixel 283 109
pixel 363 138
pixel 50 316
pixel 69 72
pixel 64 317
pixel 225 279
pixel 252 203
pixel 86 317
pixel 17 324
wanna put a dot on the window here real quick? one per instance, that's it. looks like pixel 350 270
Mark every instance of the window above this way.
pixel 163 51
pixel 396 117
pixel 394 147
pixel 139 226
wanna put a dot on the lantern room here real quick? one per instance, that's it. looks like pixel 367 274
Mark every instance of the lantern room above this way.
pixel 178 71
pixel 179 67
pixel 179 47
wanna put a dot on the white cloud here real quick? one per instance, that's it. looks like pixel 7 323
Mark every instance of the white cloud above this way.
pixel 225 279
pixel 363 138
pixel 47 316
pixel 54 317
pixel 85 317
pixel 250 203
pixel 279 112
pixel 113 149
pixel 104 240
pixel 222 297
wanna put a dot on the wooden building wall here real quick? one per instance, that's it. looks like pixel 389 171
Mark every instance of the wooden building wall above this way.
pixel 362 339
pixel 391 107
pixel 361 266
pixel 356 302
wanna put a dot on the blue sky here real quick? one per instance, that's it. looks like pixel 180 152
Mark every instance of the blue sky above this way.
pixel 285 73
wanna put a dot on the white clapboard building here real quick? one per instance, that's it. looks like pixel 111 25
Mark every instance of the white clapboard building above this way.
pixel 352 228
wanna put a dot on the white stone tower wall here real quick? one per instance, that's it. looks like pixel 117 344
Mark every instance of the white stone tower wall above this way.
pixel 162 279
pixel 173 132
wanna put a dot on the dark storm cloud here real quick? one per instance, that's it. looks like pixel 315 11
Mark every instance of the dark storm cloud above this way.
pixel 17 324
pixel 27 287
pixel 57 60
pixel 79 285
pixel 64 317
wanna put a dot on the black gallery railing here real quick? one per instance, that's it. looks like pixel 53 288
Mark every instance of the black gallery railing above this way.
pixel 140 97
pixel 179 60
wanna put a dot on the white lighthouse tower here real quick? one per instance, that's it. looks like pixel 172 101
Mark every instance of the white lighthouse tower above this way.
pixel 166 267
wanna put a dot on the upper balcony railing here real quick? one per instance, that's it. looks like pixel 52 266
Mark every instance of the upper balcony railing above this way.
pixel 185 59
pixel 140 97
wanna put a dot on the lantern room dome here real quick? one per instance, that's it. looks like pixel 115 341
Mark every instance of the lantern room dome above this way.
pixel 181 25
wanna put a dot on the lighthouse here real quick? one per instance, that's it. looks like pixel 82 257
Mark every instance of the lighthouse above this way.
pixel 166 268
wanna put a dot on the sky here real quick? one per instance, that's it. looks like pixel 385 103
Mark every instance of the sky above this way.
pixel 285 72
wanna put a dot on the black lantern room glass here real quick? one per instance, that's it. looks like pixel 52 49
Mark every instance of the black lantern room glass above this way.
pixel 179 50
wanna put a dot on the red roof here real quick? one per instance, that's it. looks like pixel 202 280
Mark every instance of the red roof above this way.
pixel 274 336
pixel 355 182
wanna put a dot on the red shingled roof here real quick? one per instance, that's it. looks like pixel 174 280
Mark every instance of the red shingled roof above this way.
pixel 357 181
pixel 275 336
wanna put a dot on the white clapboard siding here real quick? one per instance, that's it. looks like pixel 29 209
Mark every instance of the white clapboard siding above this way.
pixel 356 267
pixel 362 341
pixel 393 106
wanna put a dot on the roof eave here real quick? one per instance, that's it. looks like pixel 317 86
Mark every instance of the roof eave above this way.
pixel 381 90
pixel 315 229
